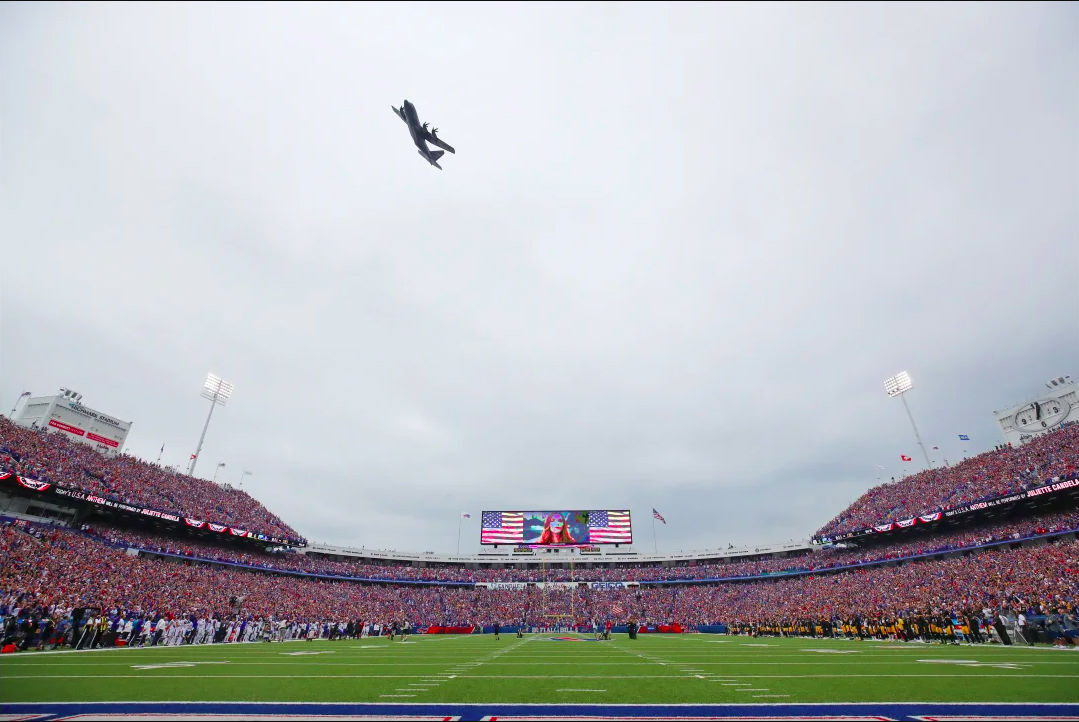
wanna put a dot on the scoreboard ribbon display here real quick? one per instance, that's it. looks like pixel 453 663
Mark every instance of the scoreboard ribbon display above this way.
pixel 556 528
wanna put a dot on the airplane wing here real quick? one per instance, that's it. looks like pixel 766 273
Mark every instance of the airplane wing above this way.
pixel 400 113
pixel 438 142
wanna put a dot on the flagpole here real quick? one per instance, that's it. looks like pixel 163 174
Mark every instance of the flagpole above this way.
pixel 159 454
pixel 459 521
pixel 16 406
pixel 655 544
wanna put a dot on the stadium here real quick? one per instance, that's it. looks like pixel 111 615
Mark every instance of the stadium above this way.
pixel 539 433
pixel 176 574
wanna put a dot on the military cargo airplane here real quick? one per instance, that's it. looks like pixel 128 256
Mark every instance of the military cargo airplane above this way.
pixel 421 136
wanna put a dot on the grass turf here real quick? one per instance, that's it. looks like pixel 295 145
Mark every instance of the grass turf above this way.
pixel 695 668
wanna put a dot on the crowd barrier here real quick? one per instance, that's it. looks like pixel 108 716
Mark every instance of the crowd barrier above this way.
pixel 712 629
pixel 449 630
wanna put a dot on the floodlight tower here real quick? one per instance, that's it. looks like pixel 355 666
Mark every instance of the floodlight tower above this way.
pixel 218 391
pixel 899 385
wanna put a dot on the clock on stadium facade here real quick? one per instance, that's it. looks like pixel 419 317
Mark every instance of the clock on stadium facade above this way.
pixel 1025 421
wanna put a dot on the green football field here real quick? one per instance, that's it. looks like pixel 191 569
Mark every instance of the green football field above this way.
pixel 689 668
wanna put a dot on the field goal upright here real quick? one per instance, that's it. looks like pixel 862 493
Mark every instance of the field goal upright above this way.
pixel 560 619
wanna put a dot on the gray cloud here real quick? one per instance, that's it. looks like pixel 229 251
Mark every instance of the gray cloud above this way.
pixel 676 254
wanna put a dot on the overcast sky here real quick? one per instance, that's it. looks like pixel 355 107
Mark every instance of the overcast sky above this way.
pixel 677 252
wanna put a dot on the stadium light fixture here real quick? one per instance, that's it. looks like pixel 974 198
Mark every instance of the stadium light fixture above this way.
pixel 899 385
pixel 218 391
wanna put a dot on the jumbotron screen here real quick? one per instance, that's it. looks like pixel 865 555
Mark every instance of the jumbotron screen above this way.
pixel 556 528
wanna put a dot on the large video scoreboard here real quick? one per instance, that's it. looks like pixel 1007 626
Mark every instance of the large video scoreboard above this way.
pixel 557 528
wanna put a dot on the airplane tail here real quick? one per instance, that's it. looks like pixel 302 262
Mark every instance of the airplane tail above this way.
pixel 431 157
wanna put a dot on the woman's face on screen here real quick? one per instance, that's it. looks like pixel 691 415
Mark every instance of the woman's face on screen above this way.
pixel 557 523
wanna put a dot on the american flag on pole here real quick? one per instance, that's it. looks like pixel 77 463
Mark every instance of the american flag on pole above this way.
pixel 502 527
pixel 657 515
pixel 609 527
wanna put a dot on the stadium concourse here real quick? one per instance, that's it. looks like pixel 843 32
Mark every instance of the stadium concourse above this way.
pixel 110 580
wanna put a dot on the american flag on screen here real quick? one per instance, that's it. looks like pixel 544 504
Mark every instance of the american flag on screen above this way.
pixel 609 527
pixel 502 527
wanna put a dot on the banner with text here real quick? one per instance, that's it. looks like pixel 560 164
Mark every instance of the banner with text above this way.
pixel 1058 484
pixel 77 495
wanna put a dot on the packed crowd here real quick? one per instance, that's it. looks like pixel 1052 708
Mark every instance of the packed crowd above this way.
pixel 54 582
pixel 52 458
pixel 813 561
pixel 47 575
pixel 994 473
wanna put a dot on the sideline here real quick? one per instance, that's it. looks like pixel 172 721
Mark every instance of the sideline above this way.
pixel 107 711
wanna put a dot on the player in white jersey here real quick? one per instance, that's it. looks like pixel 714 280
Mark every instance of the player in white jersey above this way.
pixel 177 631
